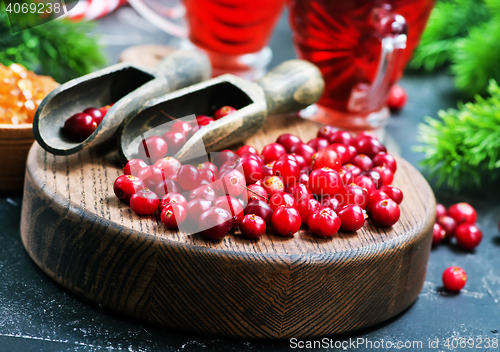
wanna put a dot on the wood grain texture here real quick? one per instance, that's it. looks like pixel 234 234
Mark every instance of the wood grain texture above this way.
pixel 83 237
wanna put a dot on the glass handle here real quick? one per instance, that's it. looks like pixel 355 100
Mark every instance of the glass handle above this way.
pixel 175 12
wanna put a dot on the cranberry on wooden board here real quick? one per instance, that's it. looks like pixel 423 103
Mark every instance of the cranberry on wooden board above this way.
pixel 299 191
pixel 173 215
pixel 325 181
pixel 133 166
pixel 363 161
pixel 287 168
pixel 281 199
pixel 256 192
pixel 332 203
pixel 386 159
pixel 393 192
pixel 454 278
pixel 365 182
pixel 307 206
pixel 232 183
pixel 385 212
pixel 252 226
pixel 326 158
pixel 176 198
pixel 152 176
pixel 306 151
pixel 194 208
pixel 215 223
pixel 152 148
pixel 252 170
pixel 353 169
pixel 324 222
pixel 369 146
pixel 352 218
pixel 386 175
pixel 226 155
pixel 144 202
pixel 273 185
pixel 375 197
pixel 232 206
pixel 342 152
pixel 318 143
pixel 79 126
pixel 378 181
pixel 168 186
pixel 260 208
pixel 286 221
pixel 246 149
pixel 205 192
pixel 126 185
pixel 272 152
pixel 342 137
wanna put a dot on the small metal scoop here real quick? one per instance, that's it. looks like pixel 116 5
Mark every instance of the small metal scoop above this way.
pixel 291 86
pixel 125 85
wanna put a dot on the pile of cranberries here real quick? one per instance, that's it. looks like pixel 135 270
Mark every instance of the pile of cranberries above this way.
pixel 82 124
pixel 329 183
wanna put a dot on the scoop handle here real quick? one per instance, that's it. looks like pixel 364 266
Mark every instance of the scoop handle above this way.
pixel 183 68
pixel 292 86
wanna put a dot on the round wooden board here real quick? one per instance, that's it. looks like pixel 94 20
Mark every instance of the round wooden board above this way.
pixel 83 237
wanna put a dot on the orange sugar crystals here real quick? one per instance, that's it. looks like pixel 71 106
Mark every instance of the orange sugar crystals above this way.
pixel 21 91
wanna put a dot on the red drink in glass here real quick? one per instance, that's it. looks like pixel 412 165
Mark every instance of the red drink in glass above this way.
pixel 361 47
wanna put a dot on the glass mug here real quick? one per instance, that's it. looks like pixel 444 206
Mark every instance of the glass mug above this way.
pixel 361 47
pixel 233 33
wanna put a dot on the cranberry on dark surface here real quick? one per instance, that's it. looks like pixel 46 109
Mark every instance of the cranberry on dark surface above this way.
pixel 260 208
pixel 463 212
pixel 144 202
pixel 223 111
pixel 448 224
pixel 95 113
pixel 204 121
pixel 440 210
pixel 352 218
pixel 286 221
pixel 133 167
pixel 79 127
pixel 397 98
pixel 438 234
pixel 252 226
pixel 152 148
pixel 173 215
pixel 215 223
pixel 324 222
pixel 468 235
pixel 454 278
pixel 126 185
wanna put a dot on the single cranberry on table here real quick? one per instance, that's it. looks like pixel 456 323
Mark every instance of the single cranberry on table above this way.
pixel 252 170
pixel 152 176
pixel 468 235
pixel 246 149
pixel 173 215
pixel 385 212
pixel 176 198
pixel 286 221
pixel 288 140
pixel 385 159
pixel 326 132
pixel 223 111
pixel 352 217
pixel 252 226
pixel 215 223
pixel 256 192
pixel 463 212
pixel 287 168
pixel 144 202
pixel 318 143
pixel 393 192
pixel 126 185
pixel 152 148
pixel 440 210
pixel 363 161
pixel 175 140
pixel 95 113
pixel 438 234
pixel 133 166
pixel 260 208
pixel 448 224
pixel 232 206
pixel 306 151
pixel 307 206
pixel 188 177
pixel 205 192
pixel 324 222
pixel 454 278
pixel 272 152
pixel 397 98
pixel 79 126
pixel 273 185
pixel 325 181
pixel 168 186
pixel 326 158
pixel 281 199
pixel 342 137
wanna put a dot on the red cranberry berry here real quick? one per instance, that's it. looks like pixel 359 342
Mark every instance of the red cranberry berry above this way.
pixel 287 169
pixel 352 218
pixel 354 194
pixel 438 234
pixel 252 226
pixel 440 210
pixel 226 155
pixel 468 236
pixel 182 127
pixel 260 208
pixel 152 176
pixel 194 208
pixel 256 192
pixel 385 212
pixel 126 185
pixel 386 175
pixel 281 199
pixel 353 169
pixel 397 98
pixel 175 141
pixel 152 148
pixel 363 162
pixel 168 164
pixel 342 137
pixel 463 212
pixel 267 171
pixel 286 221
pixel 176 198
pixel 318 143
pixel 188 177
pixel 79 126
pixel 173 215
pixel 332 203
pixel 95 113
pixel 326 158
pixel 133 167
pixel 393 192
pixel 204 192
pixel 300 160
pixel 365 182
pixel 223 111
pixel 273 185
pixel 304 150
pixel 246 149
pixel 144 202
pixel 385 159
pixel 347 177
pixel 272 152
pixel 375 197
pixel 306 207
pixel 448 224
pixel 252 169
pixel 369 146
pixel 299 191
pixel 168 186
pixel 232 183
pixel 288 140
pixel 342 152
pixel 454 278
pixel 326 132
pixel 378 181
pixel 324 222
pixel 203 121
pixel 325 181
pixel 215 223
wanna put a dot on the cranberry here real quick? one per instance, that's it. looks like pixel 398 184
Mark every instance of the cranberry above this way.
pixel 104 109
pixel 281 199
pixel 325 181
pixel 369 146
pixel 207 175
pixel 256 192
pixel 304 150
pixel 168 164
pixel 393 192
pixel 342 152
pixel 152 176
pixel 252 170
pixel 126 185
pixel 175 141
pixel 215 223
pixel 386 175
pixel 365 182
pixel 252 226
pixel 374 176
pixel 152 148
pixel 385 212
pixel 363 162
pixel 354 194
pixel 352 218
pixel 318 143
pixel 181 127
pixel 288 169
pixel 188 177
pixel 306 207
pixel 468 236
pixel 246 149
pixel 326 132
pixel 332 203
pixel 144 202
pixel 324 222
pixel 342 137
pixel 232 206
pixel 326 158
pixel 95 113
pixel 385 159
pixel 173 215
pixel 204 192
pixel 448 224
pixel 288 140
pixel 176 198
pixel 304 176
pixel 300 160
pixel 463 212
pixel 347 177
pixel 353 169
pixel 286 221
pixel 272 152
pixel 375 197
pixel 133 167
pixel 232 183
pixel 267 171
pixel 226 155
pixel 454 278
pixel 299 191
pixel 438 234
pixel 260 208
pixel 397 98
pixel 223 111
pixel 440 210
pixel 273 185
pixel 194 208
pixel 208 165
pixel 205 120
pixel 79 126
pixel 254 157
pixel 168 186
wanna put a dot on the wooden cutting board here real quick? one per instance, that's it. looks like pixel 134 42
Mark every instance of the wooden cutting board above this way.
pixel 83 237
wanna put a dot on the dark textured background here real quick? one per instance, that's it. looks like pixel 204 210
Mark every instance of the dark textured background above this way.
pixel 38 315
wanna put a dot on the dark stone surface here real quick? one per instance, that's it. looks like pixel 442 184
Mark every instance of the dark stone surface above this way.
pixel 38 315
